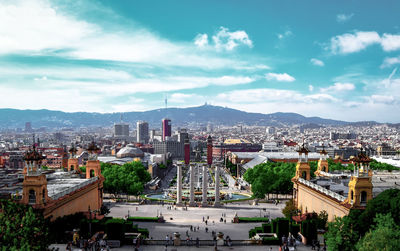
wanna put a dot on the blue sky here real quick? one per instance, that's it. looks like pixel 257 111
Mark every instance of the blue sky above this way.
pixel 334 59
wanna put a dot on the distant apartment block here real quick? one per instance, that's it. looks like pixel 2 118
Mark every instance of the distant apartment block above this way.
pixel 166 128
pixel 142 132
pixel 121 130
pixel 336 136
pixel 174 147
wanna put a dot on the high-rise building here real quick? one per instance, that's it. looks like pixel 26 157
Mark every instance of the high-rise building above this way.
pixel 28 127
pixel 182 135
pixel 142 132
pixel 270 130
pixel 121 130
pixel 166 128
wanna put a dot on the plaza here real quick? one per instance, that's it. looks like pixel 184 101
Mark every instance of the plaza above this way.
pixel 180 220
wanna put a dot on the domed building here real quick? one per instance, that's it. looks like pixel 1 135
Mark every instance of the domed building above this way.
pixel 130 151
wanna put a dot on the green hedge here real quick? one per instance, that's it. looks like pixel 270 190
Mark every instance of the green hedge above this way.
pixel 144 232
pixel 259 229
pixel 282 227
pixel 252 233
pixel 267 228
pixel 146 219
pixel 115 229
pixel 294 229
pixel 253 219
pixel 309 230
pixel 271 241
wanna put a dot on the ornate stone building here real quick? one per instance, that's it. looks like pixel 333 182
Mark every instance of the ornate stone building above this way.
pixel 60 193
pixel 338 192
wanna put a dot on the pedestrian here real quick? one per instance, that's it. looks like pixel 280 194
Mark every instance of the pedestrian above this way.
pixel 69 246
pixel 167 240
pixel 197 242
pixel 203 218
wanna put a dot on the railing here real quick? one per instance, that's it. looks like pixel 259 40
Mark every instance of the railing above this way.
pixel 74 188
pixel 322 189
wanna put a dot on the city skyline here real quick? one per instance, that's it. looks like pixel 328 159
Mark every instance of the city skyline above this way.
pixel 336 61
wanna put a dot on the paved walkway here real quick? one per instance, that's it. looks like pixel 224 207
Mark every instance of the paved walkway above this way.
pixel 181 248
pixel 180 220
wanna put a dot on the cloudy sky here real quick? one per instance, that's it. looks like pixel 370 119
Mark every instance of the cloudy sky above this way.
pixel 335 60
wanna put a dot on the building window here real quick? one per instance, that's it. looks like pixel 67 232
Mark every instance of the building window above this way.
pixel 352 195
pixel 91 173
pixel 304 175
pixel 32 197
pixel 363 199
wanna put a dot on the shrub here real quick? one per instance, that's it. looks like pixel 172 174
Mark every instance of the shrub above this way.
pixel 271 241
pixel 143 219
pixel 267 228
pixel 294 229
pixel 309 230
pixel 258 229
pixel 144 232
pixel 253 219
pixel 115 229
pixel 252 233
pixel 282 228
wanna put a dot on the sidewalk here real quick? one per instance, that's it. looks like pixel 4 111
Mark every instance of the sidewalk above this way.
pixel 181 248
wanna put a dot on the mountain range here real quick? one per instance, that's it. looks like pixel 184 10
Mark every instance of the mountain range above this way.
pixel 217 115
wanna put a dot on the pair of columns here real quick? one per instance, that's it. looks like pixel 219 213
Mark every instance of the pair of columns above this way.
pixel 204 186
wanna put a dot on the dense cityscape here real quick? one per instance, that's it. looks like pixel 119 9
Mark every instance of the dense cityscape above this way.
pixel 199 125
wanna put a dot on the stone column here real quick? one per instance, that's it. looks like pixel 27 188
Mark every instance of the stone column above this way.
pixel 179 186
pixel 205 185
pixel 191 201
pixel 217 179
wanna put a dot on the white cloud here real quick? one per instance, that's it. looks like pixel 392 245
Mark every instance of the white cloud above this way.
pixel 390 42
pixel 284 35
pixel 341 18
pixel 310 88
pixel 349 43
pixel 40 28
pixel 273 95
pixel 201 40
pixel 44 78
pixel 382 99
pixel 388 62
pixel 317 62
pixel 185 98
pixel 339 87
pixel 281 77
pixel 226 40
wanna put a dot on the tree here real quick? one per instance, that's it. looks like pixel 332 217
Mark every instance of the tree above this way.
pixel 340 235
pixel 289 210
pixel 270 177
pixel 384 236
pixel 128 178
pixel 22 228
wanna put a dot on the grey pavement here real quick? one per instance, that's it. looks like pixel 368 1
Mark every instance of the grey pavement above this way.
pixel 180 220
pixel 181 248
